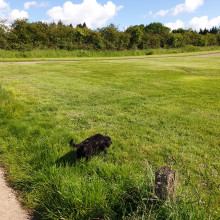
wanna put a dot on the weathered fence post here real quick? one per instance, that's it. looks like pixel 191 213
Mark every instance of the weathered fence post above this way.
pixel 165 183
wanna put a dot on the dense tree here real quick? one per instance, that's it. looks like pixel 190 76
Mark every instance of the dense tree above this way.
pixel 157 28
pixel 179 30
pixel 3 34
pixel 214 30
pixel 110 35
pixel 23 35
pixel 136 34
pixel 203 32
pixel 218 38
pixel 175 40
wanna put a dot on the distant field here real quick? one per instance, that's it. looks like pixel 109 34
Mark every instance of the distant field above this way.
pixel 157 112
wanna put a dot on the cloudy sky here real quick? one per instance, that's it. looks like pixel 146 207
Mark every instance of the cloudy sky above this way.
pixel 175 14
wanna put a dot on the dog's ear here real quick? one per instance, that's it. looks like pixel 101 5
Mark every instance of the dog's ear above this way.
pixel 72 143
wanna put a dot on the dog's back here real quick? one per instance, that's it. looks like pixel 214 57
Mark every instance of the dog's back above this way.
pixel 91 144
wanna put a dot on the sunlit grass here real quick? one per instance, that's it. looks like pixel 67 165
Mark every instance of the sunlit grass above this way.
pixel 157 112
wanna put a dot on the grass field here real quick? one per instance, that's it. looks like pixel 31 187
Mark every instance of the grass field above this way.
pixel 157 112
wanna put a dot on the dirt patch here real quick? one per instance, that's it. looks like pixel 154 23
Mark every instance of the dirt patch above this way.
pixel 208 55
pixel 35 62
pixel 73 61
pixel 10 208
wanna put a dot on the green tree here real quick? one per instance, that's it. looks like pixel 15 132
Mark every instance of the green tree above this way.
pixel 145 43
pixel 211 40
pixel 136 35
pixel 3 34
pixel 218 39
pixel 203 31
pixel 111 36
pixel 157 28
pixel 154 41
pixel 179 30
pixel 175 40
pixel 20 35
pixel 214 30
pixel 23 35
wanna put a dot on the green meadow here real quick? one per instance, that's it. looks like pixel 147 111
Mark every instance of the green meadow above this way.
pixel 157 112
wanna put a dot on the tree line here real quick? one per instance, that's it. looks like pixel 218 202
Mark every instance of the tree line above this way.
pixel 24 35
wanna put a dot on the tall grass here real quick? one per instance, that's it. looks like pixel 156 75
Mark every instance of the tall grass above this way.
pixel 157 112
pixel 52 53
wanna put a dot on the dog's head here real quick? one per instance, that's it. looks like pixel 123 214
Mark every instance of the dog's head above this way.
pixel 108 141
pixel 72 143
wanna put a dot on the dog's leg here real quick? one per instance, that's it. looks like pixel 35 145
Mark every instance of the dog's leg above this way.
pixel 75 160
pixel 88 158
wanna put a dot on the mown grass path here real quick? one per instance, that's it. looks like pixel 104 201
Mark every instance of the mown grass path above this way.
pixel 121 58
pixel 157 112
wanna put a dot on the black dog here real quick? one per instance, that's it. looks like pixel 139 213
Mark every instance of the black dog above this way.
pixel 91 144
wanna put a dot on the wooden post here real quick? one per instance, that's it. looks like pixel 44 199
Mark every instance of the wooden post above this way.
pixel 165 183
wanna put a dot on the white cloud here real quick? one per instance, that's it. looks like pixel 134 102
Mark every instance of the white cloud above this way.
pixel 188 6
pixel 89 11
pixel 16 14
pixel 196 23
pixel 9 14
pixel 43 4
pixel 175 25
pixel 161 13
pixel 203 22
pixel 4 8
pixel 4 5
pixel 28 4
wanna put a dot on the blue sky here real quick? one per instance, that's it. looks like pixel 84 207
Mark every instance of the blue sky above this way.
pixel 193 14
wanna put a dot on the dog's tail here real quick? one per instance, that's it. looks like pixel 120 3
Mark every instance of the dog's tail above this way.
pixel 72 143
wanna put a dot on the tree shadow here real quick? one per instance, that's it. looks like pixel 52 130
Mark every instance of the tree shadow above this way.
pixel 68 159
